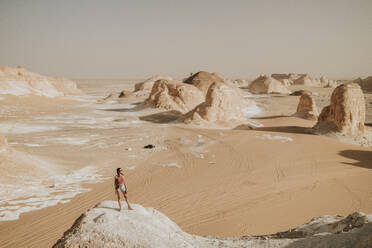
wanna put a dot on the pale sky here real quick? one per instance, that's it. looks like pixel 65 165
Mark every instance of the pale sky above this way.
pixel 136 39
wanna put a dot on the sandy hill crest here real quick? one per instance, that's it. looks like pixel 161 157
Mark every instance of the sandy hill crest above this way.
pixel 174 95
pixel 104 226
pixel 18 81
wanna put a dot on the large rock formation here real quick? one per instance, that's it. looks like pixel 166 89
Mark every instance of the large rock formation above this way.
pixel 148 83
pixel 174 95
pixel 307 81
pixel 346 113
pixel 222 105
pixel 202 80
pixel 105 226
pixel 18 81
pixel 266 85
pixel 306 108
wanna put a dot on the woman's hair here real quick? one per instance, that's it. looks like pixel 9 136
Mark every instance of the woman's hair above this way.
pixel 118 170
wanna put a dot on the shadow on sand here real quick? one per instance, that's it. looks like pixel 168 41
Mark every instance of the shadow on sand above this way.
pixel 139 107
pixel 163 117
pixel 364 158
pixel 281 129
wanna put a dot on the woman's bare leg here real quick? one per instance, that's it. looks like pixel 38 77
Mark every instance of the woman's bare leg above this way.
pixel 118 194
pixel 126 199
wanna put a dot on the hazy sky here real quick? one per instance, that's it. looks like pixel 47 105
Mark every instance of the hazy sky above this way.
pixel 116 39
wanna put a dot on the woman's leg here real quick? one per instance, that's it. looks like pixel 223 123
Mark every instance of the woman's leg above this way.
pixel 126 199
pixel 118 194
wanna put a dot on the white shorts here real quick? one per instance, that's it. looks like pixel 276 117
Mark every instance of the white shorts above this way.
pixel 122 188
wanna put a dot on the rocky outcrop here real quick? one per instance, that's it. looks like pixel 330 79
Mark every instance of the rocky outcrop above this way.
pixel 148 83
pixel 105 226
pixel 307 81
pixel 286 82
pixel 222 105
pixel 18 81
pixel 365 84
pixel 290 76
pixel 328 83
pixel 203 80
pixel 174 95
pixel 126 94
pixel 240 82
pixel 346 113
pixel 306 108
pixel 267 85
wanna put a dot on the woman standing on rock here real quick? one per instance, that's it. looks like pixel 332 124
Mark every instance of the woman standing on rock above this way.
pixel 120 185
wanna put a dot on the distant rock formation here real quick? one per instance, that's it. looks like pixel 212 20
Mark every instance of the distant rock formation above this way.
pixel 125 94
pixel 202 80
pixel 286 82
pixel 346 113
pixel 105 226
pixel 18 81
pixel 174 95
pixel 328 83
pixel 306 108
pixel 148 83
pixel 240 82
pixel 290 76
pixel 307 81
pixel 222 105
pixel 267 85
pixel 365 84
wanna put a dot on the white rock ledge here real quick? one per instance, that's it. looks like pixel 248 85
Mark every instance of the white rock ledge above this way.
pixel 105 226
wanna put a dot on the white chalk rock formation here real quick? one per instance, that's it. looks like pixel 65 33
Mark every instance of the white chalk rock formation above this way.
pixel 203 80
pixel 145 227
pixel 306 108
pixel 223 104
pixel 267 85
pixel 174 95
pixel 328 83
pixel 18 81
pixel 240 82
pixel 346 113
pixel 307 81
pixel 286 82
pixel 149 83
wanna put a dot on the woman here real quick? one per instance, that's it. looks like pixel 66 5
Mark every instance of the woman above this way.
pixel 120 185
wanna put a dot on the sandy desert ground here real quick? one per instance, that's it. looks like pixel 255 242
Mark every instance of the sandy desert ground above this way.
pixel 218 182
